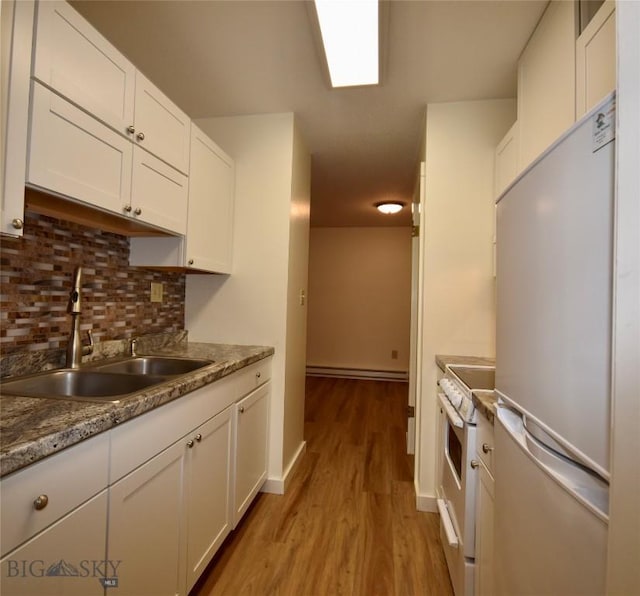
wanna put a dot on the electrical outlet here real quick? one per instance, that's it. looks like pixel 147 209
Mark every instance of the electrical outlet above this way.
pixel 156 291
pixel 394 354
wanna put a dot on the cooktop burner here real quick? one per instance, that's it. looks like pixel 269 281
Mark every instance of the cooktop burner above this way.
pixel 476 378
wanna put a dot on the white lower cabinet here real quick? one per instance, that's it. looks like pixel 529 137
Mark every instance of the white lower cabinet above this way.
pixel 207 495
pixel 252 436
pixel 484 584
pixel 54 517
pixel 146 526
pixel 66 559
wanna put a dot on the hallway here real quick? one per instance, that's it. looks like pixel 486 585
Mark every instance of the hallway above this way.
pixel 348 523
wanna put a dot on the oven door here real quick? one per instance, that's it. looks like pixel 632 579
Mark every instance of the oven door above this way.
pixel 458 477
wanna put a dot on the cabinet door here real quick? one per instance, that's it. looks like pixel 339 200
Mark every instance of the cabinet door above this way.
pixel 546 81
pixel 147 526
pixel 75 60
pixel 596 59
pixel 161 127
pixel 15 56
pixel 211 193
pixel 208 498
pixel 484 534
pixel 252 426
pixel 74 155
pixel 66 559
pixel 158 193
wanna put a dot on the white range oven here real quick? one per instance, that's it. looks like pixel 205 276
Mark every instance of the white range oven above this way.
pixel 457 482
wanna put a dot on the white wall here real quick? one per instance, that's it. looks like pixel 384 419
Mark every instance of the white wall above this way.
pixel 457 231
pixel 250 306
pixel 296 337
pixel 359 298
pixel 624 523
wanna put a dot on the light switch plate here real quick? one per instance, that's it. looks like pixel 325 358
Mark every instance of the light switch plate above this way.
pixel 156 291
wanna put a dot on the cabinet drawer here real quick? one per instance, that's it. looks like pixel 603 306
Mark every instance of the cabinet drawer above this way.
pixel 74 155
pixel 485 442
pixel 67 479
pixel 138 440
pixel 75 60
pixel 253 376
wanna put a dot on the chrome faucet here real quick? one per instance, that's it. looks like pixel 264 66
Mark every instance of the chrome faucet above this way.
pixel 75 349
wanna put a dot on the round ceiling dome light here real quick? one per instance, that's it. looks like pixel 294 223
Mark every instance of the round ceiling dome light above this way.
pixel 389 207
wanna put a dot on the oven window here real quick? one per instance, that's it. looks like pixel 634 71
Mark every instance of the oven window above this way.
pixel 454 449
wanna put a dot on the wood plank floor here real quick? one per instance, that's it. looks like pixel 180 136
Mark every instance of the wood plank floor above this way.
pixel 348 523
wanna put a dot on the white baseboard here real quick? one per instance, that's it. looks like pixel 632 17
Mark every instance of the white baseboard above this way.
pixel 278 486
pixel 426 503
pixel 354 373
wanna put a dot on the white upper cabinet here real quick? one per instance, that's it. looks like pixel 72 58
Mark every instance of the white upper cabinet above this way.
pixel 74 155
pixel 158 193
pixel 160 126
pixel 211 189
pixel 596 59
pixel 546 81
pixel 16 39
pixel 80 64
pixel 207 246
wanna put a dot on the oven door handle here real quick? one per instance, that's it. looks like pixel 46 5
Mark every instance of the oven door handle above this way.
pixel 447 524
pixel 452 415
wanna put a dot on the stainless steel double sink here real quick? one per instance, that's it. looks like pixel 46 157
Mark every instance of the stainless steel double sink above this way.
pixel 109 381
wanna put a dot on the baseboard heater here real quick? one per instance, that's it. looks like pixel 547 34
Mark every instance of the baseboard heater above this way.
pixel 354 373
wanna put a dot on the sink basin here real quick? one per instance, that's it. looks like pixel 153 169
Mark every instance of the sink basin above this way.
pixel 154 365
pixel 83 385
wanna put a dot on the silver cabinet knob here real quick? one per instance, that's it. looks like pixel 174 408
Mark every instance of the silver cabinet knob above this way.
pixel 138 211
pixel 486 448
pixel 190 443
pixel 17 224
pixel 140 136
pixel 475 463
pixel 131 129
pixel 127 208
pixel 258 375
pixel 41 502
pixel 241 409
pixel 191 261
pixel 198 437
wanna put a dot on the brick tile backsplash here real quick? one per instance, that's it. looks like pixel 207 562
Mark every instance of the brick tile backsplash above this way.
pixel 36 276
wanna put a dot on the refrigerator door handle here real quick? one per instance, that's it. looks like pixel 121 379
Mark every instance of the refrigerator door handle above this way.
pixel 581 483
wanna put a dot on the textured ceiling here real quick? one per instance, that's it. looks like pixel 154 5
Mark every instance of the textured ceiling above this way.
pixel 223 58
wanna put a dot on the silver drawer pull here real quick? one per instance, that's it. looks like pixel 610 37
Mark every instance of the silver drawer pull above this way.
pixel 475 463
pixel 140 136
pixel 131 129
pixel 242 409
pixel 190 443
pixel 258 375
pixel 138 211
pixel 198 437
pixel 41 502
pixel 486 448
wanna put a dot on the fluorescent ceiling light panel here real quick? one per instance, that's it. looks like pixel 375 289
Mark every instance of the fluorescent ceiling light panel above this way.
pixel 349 31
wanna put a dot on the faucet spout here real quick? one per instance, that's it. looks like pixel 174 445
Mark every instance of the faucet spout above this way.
pixel 75 349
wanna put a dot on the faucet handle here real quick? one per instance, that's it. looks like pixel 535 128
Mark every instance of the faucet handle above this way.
pixel 86 350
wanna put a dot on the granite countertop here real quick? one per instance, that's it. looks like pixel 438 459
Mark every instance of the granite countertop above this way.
pixel 443 361
pixel 484 401
pixel 33 428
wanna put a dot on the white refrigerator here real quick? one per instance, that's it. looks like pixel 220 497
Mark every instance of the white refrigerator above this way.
pixel 553 365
